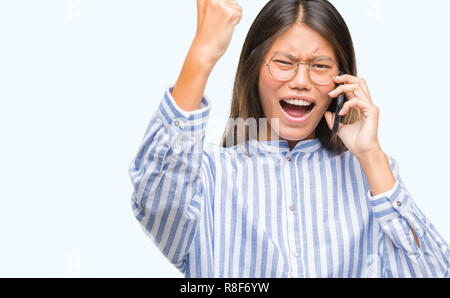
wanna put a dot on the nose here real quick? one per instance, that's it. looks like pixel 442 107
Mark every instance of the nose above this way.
pixel 301 79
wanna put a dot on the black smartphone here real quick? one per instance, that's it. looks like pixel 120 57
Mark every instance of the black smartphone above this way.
pixel 336 107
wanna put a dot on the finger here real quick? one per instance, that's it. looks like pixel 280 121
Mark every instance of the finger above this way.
pixel 329 117
pixel 236 10
pixel 351 91
pixel 236 6
pixel 349 79
pixel 201 7
pixel 343 88
pixel 233 4
pixel 363 107
pixel 237 16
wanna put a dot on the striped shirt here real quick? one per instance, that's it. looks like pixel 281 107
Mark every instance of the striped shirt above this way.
pixel 216 212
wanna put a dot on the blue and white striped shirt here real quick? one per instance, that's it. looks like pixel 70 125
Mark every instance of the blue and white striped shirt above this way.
pixel 216 212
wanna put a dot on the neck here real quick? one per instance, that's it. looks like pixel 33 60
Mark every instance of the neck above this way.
pixel 271 135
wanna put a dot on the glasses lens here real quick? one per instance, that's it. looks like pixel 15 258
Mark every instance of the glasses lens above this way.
pixel 323 70
pixel 282 68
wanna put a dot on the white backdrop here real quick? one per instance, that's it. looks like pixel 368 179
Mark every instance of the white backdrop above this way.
pixel 80 79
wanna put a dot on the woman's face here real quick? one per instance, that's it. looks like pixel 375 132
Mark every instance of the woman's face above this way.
pixel 303 43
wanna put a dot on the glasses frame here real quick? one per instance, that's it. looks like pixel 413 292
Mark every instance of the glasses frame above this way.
pixel 298 66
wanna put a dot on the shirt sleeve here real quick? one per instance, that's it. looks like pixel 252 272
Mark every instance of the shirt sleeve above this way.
pixel 167 177
pixel 397 214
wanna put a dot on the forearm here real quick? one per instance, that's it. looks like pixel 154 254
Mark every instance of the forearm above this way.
pixel 190 86
pixel 161 188
pixel 377 170
pixel 379 175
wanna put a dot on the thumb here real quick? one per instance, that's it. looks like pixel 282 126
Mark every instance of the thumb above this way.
pixel 329 117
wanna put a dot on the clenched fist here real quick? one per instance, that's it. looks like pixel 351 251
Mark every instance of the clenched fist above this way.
pixel 215 26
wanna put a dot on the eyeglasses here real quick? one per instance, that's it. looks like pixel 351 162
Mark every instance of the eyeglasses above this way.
pixel 321 70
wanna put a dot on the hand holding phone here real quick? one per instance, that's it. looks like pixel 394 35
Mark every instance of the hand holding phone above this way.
pixel 338 107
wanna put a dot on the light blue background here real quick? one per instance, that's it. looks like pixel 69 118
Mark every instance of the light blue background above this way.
pixel 80 80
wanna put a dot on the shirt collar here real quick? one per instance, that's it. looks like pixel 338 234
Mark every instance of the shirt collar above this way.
pixel 282 146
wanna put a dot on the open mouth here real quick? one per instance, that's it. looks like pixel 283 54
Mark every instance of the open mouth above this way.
pixel 295 109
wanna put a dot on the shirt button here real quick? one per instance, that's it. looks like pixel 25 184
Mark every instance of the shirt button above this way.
pixel 292 208
pixel 399 204
pixel 289 159
pixel 176 123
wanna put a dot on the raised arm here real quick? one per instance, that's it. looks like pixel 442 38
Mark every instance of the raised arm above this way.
pixel 170 174
pixel 215 26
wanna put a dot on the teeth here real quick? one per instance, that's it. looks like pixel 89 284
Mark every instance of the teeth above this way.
pixel 298 102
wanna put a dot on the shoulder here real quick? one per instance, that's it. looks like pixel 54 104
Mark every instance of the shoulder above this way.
pixel 214 155
pixel 213 149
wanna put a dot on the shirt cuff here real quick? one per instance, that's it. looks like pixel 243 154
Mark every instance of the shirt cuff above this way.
pixel 177 120
pixel 390 204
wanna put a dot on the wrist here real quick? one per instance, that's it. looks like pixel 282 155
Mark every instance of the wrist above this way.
pixel 201 52
pixel 190 86
pixel 372 154
pixel 375 165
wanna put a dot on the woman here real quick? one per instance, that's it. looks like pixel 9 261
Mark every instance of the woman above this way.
pixel 298 201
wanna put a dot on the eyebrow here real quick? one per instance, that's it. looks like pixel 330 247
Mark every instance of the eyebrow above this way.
pixel 296 59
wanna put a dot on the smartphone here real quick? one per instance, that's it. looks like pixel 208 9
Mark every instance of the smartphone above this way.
pixel 336 107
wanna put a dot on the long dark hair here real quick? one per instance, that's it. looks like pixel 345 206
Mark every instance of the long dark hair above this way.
pixel 276 17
